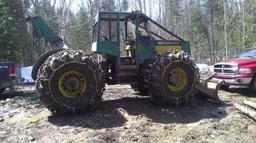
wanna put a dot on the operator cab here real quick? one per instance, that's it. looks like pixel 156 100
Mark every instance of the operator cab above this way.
pixel 127 40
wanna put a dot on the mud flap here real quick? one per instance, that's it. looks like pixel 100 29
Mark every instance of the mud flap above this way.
pixel 209 93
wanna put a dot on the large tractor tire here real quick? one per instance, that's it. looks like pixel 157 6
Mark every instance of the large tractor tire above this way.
pixel 70 82
pixel 41 60
pixel 142 83
pixel 173 79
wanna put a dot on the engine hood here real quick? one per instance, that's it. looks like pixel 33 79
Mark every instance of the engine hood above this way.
pixel 242 62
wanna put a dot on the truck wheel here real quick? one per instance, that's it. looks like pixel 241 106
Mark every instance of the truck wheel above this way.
pixel 70 82
pixel 253 85
pixel 173 79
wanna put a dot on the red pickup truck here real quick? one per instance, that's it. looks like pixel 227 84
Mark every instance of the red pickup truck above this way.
pixel 240 70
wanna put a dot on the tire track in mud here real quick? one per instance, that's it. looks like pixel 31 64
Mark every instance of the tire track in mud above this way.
pixel 124 116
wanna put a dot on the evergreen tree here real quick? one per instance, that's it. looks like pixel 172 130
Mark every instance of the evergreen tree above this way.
pixel 14 39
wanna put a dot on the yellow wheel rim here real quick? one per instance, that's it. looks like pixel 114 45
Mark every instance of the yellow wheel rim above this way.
pixel 72 84
pixel 177 80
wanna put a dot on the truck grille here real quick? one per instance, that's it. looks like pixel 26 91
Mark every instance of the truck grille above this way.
pixel 225 68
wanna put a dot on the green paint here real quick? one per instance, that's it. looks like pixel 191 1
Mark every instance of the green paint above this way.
pixel 143 52
pixel 146 52
pixel 44 30
pixel 108 48
pixel 186 47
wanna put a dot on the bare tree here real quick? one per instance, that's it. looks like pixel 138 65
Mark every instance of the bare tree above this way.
pixel 63 14
pixel 225 30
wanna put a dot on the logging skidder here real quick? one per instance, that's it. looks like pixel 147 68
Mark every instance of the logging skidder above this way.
pixel 133 49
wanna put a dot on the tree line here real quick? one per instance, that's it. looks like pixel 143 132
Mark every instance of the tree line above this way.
pixel 216 29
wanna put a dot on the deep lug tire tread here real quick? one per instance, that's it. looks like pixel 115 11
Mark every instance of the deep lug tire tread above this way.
pixel 41 60
pixel 142 84
pixel 162 62
pixel 59 61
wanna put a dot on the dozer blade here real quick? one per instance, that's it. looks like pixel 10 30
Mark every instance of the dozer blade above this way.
pixel 207 92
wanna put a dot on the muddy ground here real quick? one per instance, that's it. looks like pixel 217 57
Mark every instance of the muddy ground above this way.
pixel 123 116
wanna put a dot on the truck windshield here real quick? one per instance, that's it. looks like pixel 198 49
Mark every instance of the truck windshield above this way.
pixel 247 54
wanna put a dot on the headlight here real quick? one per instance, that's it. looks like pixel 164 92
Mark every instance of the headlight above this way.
pixel 245 70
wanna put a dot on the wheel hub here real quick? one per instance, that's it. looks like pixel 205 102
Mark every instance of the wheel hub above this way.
pixel 72 84
pixel 177 80
pixel 174 78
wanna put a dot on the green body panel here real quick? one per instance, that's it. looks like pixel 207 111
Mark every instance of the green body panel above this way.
pixel 43 30
pixel 108 48
pixel 146 51
pixel 186 47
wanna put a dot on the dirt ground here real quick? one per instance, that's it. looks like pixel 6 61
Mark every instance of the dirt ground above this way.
pixel 123 116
